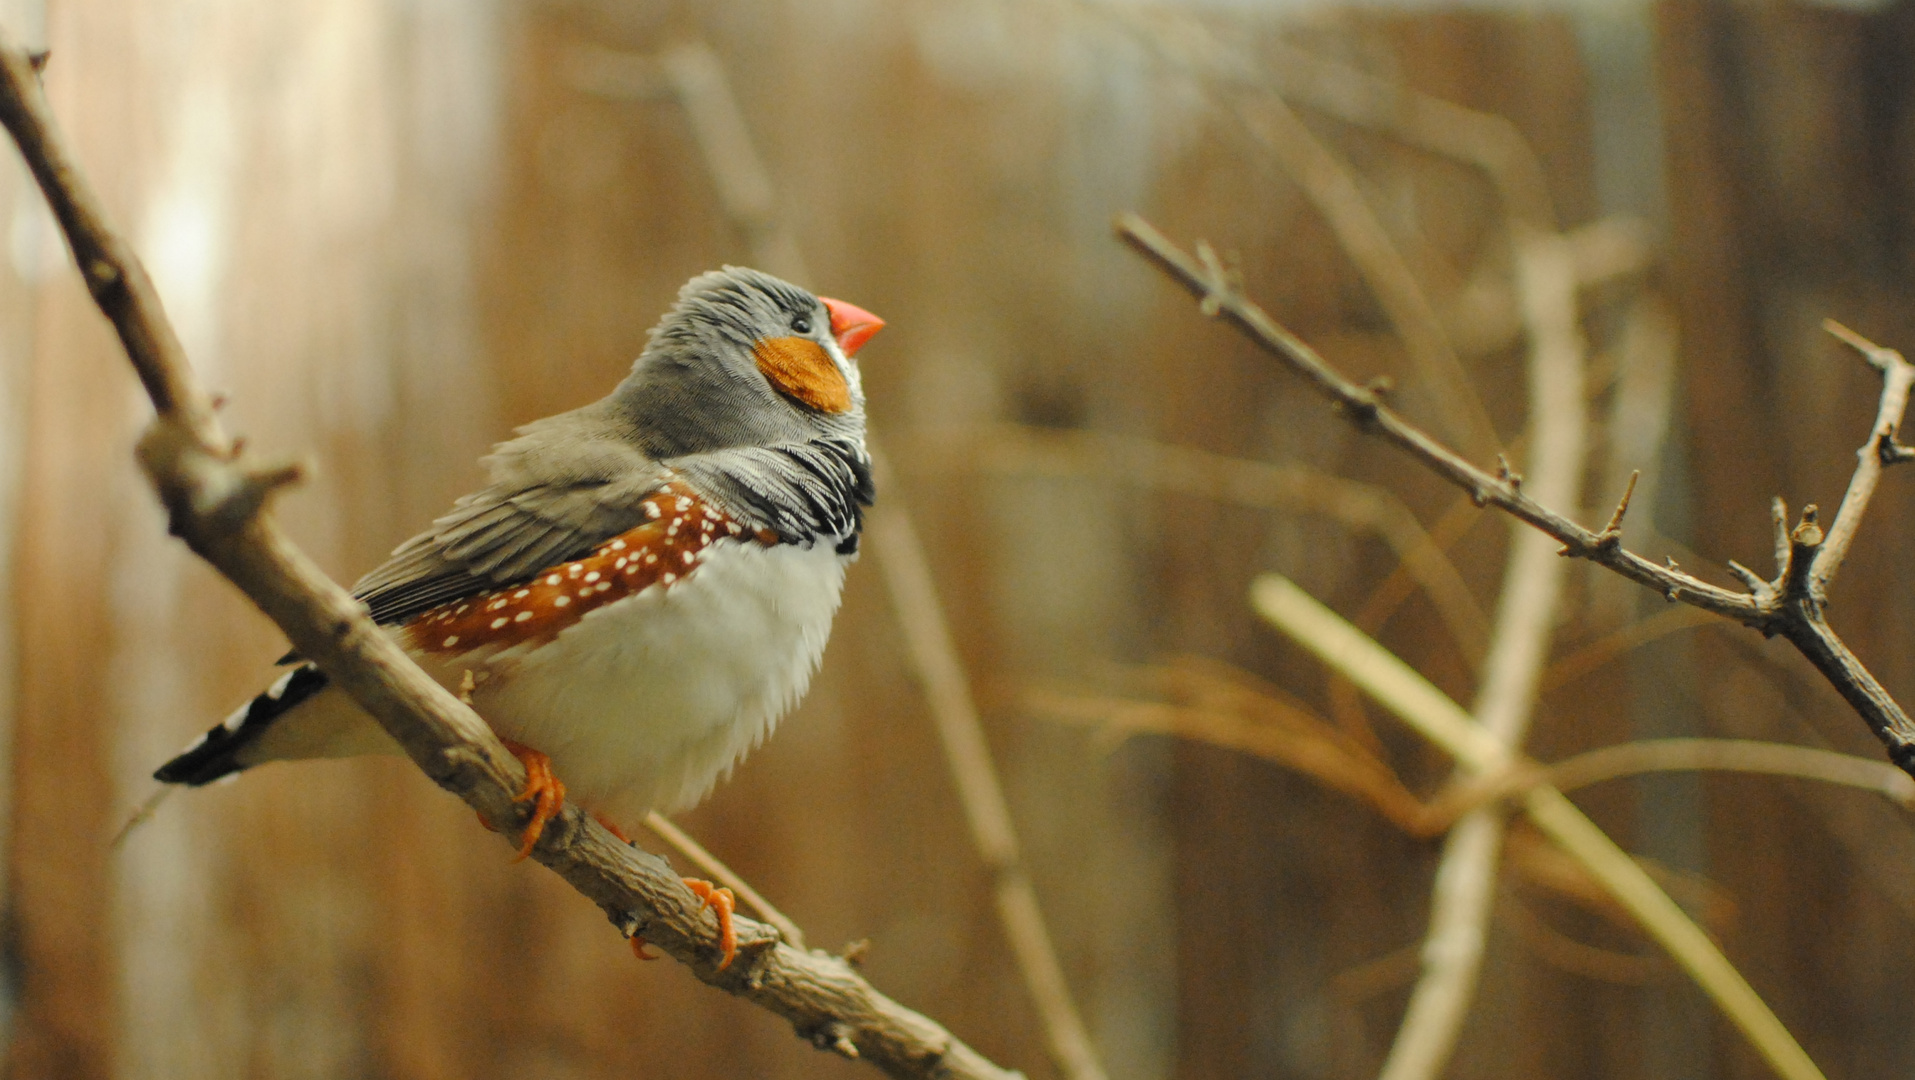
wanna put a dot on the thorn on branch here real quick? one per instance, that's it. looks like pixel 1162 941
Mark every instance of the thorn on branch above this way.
pixel 1892 452
pixel 1611 534
pixel 38 59
pixel 1508 475
pixel 101 274
pixel 855 952
pixel 1380 387
pixel 833 1035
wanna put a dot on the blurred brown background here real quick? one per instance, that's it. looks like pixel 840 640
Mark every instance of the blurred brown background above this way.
pixel 391 230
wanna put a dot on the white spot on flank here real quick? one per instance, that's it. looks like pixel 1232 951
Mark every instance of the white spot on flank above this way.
pixel 620 564
pixel 669 577
pixel 495 605
pixel 593 576
pixel 649 559
pixel 575 569
pixel 496 623
pixel 553 580
pixel 683 503
pixel 732 528
pixel 652 511
pixel 618 545
pixel 462 609
pixel 603 585
pixel 449 642
pixel 561 601
pixel 522 594
pixel 688 558
pixel 522 616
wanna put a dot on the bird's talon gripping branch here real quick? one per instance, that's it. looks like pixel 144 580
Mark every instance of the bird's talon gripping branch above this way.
pixel 638 948
pixel 543 788
pixel 722 904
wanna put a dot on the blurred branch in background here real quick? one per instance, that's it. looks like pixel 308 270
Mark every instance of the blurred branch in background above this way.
pixel 1400 689
pixel 218 504
pixel 1546 282
pixel 693 76
pixel 1021 450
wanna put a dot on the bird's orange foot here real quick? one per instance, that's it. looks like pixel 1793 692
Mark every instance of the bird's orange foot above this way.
pixel 722 904
pixel 638 948
pixel 543 788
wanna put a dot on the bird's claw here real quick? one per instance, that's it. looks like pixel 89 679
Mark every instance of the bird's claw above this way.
pixel 722 903
pixel 545 790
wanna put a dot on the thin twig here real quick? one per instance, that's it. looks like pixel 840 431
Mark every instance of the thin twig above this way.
pixel 1024 450
pixel 695 853
pixel 1786 606
pixel 1606 649
pixel 927 637
pixel 217 504
pixel 1881 449
pixel 1398 687
pixel 1733 755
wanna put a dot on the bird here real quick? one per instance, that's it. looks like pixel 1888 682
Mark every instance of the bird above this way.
pixel 646 584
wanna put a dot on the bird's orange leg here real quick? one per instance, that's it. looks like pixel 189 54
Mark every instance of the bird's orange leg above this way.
pixel 722 903
pixel 541 786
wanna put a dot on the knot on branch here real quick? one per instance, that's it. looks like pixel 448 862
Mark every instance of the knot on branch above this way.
pixel 833 1035
pixel 207 492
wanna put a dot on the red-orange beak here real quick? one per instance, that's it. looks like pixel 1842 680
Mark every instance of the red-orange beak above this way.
pixel 851 324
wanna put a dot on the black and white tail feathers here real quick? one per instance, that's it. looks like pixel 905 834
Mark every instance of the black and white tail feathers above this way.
pixel 215 754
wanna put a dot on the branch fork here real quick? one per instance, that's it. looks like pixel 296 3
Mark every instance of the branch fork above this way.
pixel 1808 558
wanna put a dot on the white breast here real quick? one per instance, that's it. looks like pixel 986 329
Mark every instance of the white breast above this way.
pixel 647 702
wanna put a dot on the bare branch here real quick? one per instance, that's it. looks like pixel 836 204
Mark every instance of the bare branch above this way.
pixel 1881 449
pixel 217 506
pixel 1794 613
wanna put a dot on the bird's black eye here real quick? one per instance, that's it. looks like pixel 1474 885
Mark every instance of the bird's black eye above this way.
pixel 801 325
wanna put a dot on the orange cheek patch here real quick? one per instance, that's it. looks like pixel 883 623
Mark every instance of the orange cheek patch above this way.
pixel 800 368
pixel 664 551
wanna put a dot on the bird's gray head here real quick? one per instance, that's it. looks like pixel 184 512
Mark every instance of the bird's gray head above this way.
pixel 745 359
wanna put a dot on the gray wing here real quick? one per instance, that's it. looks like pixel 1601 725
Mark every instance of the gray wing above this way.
pixel 559 490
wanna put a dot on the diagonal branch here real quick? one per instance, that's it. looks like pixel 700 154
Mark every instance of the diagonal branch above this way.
pixel 1788 606
pixel 217 505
